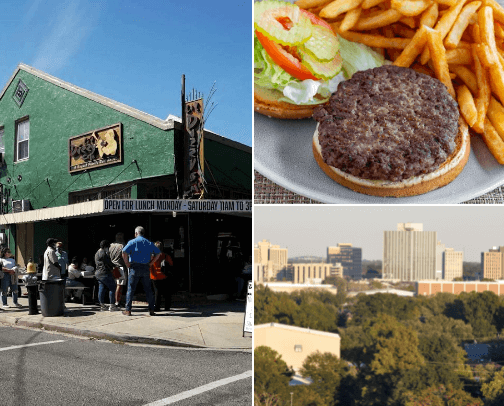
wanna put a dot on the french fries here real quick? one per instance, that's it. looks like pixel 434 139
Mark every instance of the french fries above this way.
pixel 460 42
pixel 410 8
pixel 413 49
pixel 337 7
pixel 483 99
pixel 467 105
pixel 496 116
pixel 461 24
pixel 439 61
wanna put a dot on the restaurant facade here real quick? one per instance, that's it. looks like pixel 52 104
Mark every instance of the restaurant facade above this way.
pixel 80 167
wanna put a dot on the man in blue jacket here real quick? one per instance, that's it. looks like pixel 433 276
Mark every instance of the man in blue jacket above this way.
pixel 138 254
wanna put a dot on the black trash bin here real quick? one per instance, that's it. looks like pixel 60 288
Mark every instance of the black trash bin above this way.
pixel 51 297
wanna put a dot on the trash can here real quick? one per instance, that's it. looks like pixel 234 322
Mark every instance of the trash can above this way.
pixel 51 297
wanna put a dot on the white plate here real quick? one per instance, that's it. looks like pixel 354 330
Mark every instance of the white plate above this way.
pixel 283 153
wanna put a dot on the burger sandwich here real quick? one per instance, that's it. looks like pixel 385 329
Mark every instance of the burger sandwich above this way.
pixel 297 60
pixel 391 131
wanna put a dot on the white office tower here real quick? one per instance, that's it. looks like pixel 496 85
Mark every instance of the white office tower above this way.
pixel 409 254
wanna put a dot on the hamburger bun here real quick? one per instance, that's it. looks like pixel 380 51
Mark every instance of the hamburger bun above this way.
pixel 266 102
pixel 413 186
pixel 391 131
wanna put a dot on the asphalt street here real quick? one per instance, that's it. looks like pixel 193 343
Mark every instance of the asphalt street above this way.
pixel 41 368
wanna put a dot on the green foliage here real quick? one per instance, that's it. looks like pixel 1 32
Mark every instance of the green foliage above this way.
pixel 267 399
pixel 376 285
pixel 479 310
pixel 271 374
pixel 439 395
pixel 325 371
pixel 304 308
pixel 493 390
pixel 369 306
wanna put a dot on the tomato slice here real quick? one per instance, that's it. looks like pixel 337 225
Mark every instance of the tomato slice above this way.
pixel 315 20
pixel 284 59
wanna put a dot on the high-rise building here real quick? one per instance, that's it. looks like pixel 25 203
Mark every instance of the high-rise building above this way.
pixel 491 264
pixel 315 272
pixel 453 262
pixel 440 249
pixel 272 258
pixel 349 257
pixel 409 254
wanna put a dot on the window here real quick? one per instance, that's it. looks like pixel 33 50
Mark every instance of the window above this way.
pixel 298 348
pixel 22 138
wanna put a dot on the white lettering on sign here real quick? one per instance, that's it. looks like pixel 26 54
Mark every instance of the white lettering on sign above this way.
pixel 180 205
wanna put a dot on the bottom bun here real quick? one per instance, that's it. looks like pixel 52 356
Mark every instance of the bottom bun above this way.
pixel 413 186
pixel 266 102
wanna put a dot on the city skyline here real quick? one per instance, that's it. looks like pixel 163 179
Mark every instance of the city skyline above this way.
pixel 310 230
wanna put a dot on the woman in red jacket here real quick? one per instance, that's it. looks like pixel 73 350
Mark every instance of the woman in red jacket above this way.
pixel 160 280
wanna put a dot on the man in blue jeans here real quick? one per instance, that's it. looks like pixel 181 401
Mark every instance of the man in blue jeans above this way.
pixel 138 254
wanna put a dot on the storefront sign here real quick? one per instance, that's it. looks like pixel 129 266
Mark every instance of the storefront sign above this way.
pixel 194 139
pixel 95 148
pixel 248 322
pixel 155 205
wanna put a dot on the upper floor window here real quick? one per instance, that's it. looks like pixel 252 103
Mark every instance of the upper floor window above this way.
pixel 22 138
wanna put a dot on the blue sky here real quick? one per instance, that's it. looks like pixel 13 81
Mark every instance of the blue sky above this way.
pixel 135 52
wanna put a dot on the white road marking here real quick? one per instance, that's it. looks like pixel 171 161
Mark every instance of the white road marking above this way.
pixel 15 347
pixel 199 390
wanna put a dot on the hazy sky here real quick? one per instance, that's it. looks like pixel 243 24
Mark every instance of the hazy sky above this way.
pixel 309 230
pixel 135 52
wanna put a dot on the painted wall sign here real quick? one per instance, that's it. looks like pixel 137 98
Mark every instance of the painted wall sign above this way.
pixel 162 205
pixel 96 148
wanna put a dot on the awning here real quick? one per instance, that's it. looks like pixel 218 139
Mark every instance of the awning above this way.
pixel 116 206
pixel 51 213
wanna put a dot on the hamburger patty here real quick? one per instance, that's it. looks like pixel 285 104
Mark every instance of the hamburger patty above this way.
pixel 388 123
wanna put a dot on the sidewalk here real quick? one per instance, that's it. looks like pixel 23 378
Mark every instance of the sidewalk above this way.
pixel 194 322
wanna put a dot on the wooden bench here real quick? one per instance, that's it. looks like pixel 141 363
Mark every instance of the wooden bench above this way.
pixel 83 289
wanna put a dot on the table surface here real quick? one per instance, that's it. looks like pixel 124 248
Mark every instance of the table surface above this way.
pixel 267 192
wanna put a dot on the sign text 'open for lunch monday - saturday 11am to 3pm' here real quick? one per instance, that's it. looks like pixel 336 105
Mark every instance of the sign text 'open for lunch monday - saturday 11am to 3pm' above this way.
pixel 165 205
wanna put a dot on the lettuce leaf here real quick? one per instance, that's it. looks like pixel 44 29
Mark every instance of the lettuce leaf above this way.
pixel 358 57
pixel 305 92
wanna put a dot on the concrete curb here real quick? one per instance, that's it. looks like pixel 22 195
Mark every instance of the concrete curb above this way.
pixel 48 326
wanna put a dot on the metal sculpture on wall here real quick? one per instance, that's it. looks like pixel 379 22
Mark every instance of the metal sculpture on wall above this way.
pixel 95 148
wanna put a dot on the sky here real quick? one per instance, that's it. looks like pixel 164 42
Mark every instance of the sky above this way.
pixel 309 230
pixel 135 52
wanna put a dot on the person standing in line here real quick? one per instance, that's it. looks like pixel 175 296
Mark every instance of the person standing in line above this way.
pixel 160 279
pixel 104 276
pixel 52 268
pixel 63 261
pixel 138 254
pixel 118 261
pixel 9 279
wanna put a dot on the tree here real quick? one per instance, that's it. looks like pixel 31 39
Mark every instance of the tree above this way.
pixel 369 306
pixel 388 357
pixel 271 374
pixel 493 390
pixel 326 371
pixel 440 395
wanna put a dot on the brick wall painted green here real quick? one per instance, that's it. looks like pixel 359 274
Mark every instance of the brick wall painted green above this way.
pixel 56 115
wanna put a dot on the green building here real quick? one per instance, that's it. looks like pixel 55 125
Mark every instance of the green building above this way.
pixel 68 152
